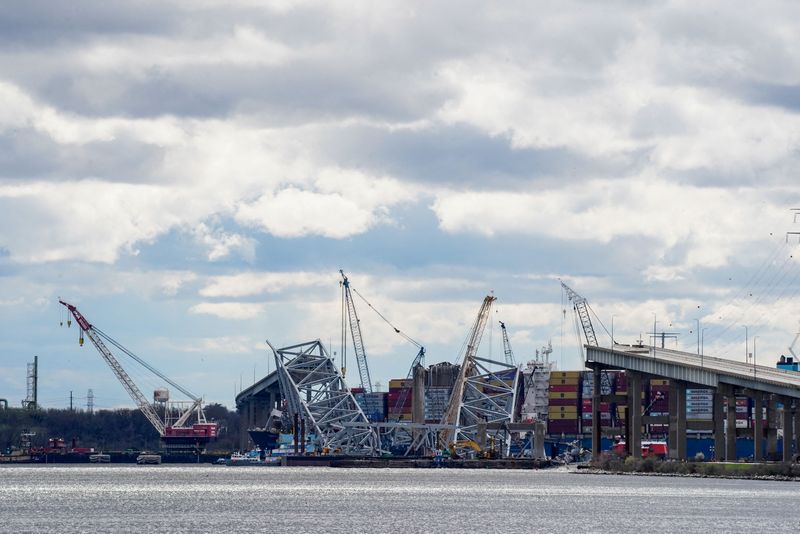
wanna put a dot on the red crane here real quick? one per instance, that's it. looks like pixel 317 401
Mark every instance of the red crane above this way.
pixel 175 434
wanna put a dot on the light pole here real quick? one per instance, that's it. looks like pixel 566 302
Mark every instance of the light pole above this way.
pixel 698 335
pixel 746 344
pixel 754 355
pixel 702 344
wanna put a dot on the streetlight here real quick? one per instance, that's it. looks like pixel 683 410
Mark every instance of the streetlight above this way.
pixel 754 355
pixel 702 344
pixel 698 335
pixel 746 344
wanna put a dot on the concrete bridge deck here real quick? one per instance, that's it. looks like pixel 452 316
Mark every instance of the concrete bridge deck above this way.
pixel 767 386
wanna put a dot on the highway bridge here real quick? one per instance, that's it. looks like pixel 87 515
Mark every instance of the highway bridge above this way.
pixel 767 386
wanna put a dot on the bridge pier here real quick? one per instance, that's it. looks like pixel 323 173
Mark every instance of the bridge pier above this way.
pixel 677 420
pixel 719 425
pixel 730 430
pixel 596 421
pixel 787 429
pixel 633 419
pixel 758 427
pixel 772 428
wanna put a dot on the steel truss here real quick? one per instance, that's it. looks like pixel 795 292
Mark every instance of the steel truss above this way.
pixel 411 439
pixel 315 390
pixel 489 396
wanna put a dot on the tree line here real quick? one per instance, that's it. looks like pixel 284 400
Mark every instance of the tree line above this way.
pixel 108 430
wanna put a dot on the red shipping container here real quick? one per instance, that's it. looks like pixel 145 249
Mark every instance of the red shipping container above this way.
pixel 563 402
pixel 563 387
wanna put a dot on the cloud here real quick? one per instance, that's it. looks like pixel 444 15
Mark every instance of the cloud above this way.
pixel 229 310
pixel 257 283
pixel 603 210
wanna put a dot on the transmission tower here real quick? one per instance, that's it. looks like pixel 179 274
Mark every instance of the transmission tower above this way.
pixel 90 401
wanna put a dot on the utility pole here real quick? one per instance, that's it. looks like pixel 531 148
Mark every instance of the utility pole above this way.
pixel 70 400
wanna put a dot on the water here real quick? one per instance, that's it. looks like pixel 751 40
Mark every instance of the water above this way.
pixel 257 499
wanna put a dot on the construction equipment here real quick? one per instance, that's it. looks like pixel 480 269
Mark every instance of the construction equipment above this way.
pixel 507 345
pixel 461 448
pixel 581 307
pixel 485 391
pixel 419 359
pixel 174 430
pixel 355 332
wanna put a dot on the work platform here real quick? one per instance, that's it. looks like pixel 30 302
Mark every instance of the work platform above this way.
pixel 767 387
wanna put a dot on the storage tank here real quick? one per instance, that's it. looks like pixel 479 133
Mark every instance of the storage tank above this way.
pixel 161 395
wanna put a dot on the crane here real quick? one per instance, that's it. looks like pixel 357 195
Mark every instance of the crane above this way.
pixel 507 345
pixel 451 415
pixel 581 307
pixel 419 359
pixel 174 434
pixel 355 332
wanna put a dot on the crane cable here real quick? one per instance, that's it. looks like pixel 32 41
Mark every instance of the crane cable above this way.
pixel 387 321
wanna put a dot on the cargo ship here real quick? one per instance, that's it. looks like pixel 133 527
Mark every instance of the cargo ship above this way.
pixel 266 437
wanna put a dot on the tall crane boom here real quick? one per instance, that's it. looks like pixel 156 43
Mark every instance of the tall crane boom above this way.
pixel 507 345
pixel 177 435
pixel 355 332
pixel 475 334
pixel 582 309
pixel 129 385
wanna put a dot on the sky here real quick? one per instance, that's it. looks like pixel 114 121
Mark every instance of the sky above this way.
pixel 193 176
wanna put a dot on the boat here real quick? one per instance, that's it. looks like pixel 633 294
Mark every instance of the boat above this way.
pixel 100 458
pixel 248 458
pixel 148 458
pixel 266 437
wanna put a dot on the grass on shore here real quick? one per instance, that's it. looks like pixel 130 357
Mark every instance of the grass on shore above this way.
pixel 614 463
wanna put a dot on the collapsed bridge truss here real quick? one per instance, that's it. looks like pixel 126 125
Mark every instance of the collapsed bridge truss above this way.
pixel 315 390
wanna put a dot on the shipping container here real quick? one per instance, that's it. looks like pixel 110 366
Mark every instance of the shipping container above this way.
pixel 562 388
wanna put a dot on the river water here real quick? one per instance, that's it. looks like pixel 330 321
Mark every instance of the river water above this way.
pixel 165 499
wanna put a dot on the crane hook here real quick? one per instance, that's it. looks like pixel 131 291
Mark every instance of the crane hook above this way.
pixel 80 339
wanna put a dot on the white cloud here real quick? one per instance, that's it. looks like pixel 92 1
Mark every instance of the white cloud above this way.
pixel 229 310
pixel 603 210
pixel 255 283
pixel 221 244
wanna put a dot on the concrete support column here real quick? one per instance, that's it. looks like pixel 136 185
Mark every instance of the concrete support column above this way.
pixel 633 419
pixel 730 434
pixel 772 428
pixel 719 425
pixel 796 426
pixel 418 395
pixel 758 427
pixel 787 429
pixel 596 413
pixel 677 420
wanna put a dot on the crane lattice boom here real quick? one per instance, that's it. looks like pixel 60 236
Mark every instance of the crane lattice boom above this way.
pixel 355 332
pixel 582 309
pixel 177 435
pixel 126 381
pixel 476 333
pixel 507 345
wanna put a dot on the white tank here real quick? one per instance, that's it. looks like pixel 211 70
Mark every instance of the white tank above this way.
pixel 161 395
